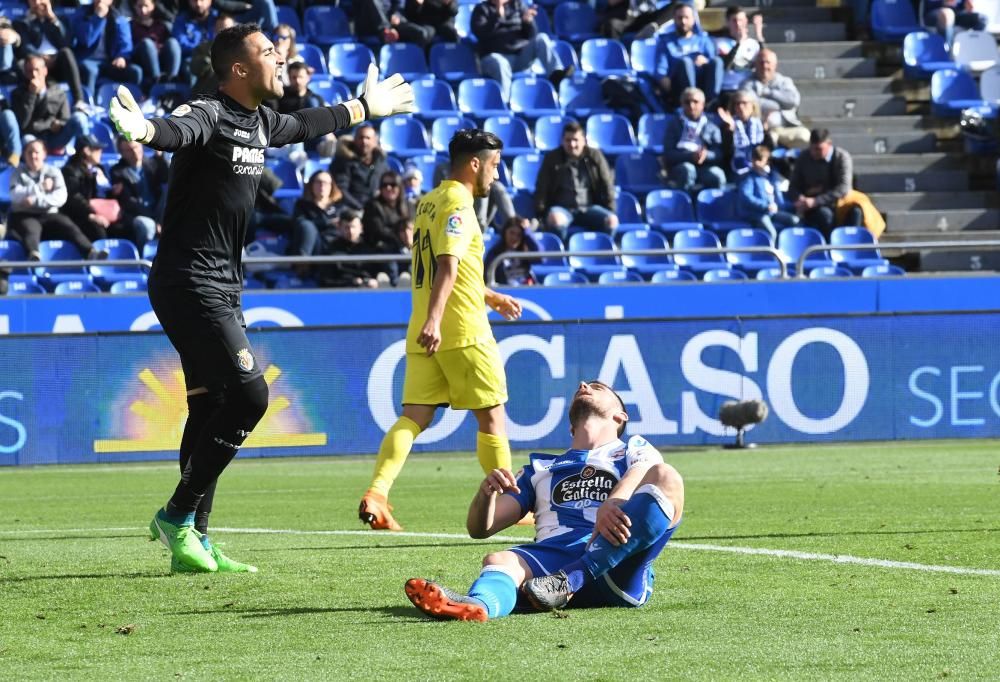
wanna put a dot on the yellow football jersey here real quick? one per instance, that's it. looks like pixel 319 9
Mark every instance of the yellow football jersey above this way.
pixel 446 224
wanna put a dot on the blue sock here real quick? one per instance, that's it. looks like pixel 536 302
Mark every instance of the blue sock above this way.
pixel 496 590
pixel 177 519
pixel 205 543
pixel 649 523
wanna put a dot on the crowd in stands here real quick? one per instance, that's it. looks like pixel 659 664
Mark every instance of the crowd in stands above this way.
pixel 565 85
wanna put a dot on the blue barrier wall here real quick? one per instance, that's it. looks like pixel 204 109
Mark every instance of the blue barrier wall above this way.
pixel 120 397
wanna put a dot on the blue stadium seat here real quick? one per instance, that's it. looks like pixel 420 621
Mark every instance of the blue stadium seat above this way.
pixel 19 285
pixel 670 211
pixel 547 241
pixel 524 203
pixel 717 210
pixel 406 59
pixel 750 263
pixel 524 171
pixel 533 97
pixel 627 208
pixel 404 136
pixel 128 286
pixel 548 131
pixel 179 92
pixel 288 173
pixel 652 130
pixel 793 241
pixel 619 277
pixel 829 272
pixel 288 15
pixel 605 57
pixel 118 249
pixel 75 287
pixel 724 275
pixel 326 25
pixel 454 61
pixel 644 266
pixel 490 239
pixel 557 279
pixel 481 98
pixel 672 275
pixel 638 173
pixel 434 98
pixel 888 270
pixel 891 20
pixel 625 228
pixel 581 95
pixel 698 262
pixel 952 91
pixel 312 55
pixel 107 90
pixel 923 54
pixel 56 250
pixel 349 61
pixel 443 129
pixel 149 249
pixel 513 131
pixel 12 250
pixel 426 163
pixel 643 55
pixel 612 134
pixel 567 53
pixel 102 131
pixel 592 266
pixel 543 24
pixel 332 91
pixel 574 21
pixel 854 260
pixel 463 23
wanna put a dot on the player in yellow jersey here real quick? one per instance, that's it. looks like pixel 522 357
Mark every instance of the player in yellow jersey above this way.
pixel 451 355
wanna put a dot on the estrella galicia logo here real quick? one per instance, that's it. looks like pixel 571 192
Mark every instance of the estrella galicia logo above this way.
pixel 588 488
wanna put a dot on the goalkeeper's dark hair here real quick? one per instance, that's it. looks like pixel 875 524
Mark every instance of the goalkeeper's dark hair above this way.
pixel 470 142
pixel 230 47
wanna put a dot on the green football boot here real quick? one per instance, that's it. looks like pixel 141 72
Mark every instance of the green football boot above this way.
pixel 224 563
pixel 184 544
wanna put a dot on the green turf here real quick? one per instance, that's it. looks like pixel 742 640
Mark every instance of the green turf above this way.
pixel 100 604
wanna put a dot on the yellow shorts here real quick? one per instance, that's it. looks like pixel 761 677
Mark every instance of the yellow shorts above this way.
pixel 469 378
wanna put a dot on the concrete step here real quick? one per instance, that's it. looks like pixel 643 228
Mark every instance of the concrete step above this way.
pixel 821 68
pixel 942 221
pixel 874 181
pixel 851 105
pixel 854 87
pixel 797 15
pixel 793 32
pixel 985 261
pixel 944 129
pixel 885 142
pixel 934 201
pixel 768 5
pixel 889 238
pixel 895 163
pixel 848 49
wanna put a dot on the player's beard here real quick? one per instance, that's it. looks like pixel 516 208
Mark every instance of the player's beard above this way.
pixel 483 182
pixel 582 408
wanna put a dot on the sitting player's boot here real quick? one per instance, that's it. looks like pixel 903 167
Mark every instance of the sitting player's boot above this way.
pixel 376 511
pixel 437 601
pixel 183 542
pixel 226 565
pixel 548 592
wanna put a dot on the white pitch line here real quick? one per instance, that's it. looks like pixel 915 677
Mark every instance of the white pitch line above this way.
pixel 751 551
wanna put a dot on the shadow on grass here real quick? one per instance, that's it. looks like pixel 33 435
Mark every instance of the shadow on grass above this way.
pixel 838 533
pixel 409 613
pixel 42 538
pixel 80 576
pixel 380 547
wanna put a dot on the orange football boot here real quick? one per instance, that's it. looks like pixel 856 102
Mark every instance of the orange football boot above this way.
pixel 376 511
pixel 437 601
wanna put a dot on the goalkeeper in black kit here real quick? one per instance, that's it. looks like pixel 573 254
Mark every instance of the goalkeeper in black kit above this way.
pixel 194 286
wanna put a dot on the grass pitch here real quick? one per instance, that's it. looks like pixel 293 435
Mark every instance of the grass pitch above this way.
pixel 83 595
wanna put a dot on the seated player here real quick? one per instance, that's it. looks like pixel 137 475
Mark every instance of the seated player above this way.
pixel 604 510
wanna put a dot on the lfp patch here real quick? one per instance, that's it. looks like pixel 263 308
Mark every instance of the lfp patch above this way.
pixel 454 225
pixel 181 110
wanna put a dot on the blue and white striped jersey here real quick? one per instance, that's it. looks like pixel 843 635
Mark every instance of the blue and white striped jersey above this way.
pixel 564 491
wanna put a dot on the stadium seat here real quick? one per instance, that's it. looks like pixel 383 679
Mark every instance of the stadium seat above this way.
pixel 724 275
pixel 128 286
pixel 149 249
pixel 643 55
pixel 675 275
pixel 524 203
pixel 349 61
pixel 627 208
pixel 312 55
pixel 481 98
pixel 769 273
pixel 625 228
pixel 547 241
pixel 829 272
pixel 75 287
pixel 463 23
pixel 288 15
pixel 592 266
pixel 619 277
pixel 854 260
pixel 548 131
pixel 717 210
pixel 326 25
pixel 952 91
pixel 443 129
pixel 406 59
pixel 891 20
pixel 887 270
pixel 574 21
pixel 513 131
pixel 524 171
pixel 543 24
pixel 102 131
pixel 490 239
pixel 698 262
pixel 557 279
pixel 670 211
pixel 454 61
pixel 638 173
pixel 332 91
pixel 581 95
pixel 288 173
pixel 23 286
pixel 612 134
pixel 425 163
pixel 12 250
pixel 974 51
pixel 652 130
pixel 644 266
pixel 434 98
pixel 107 90
pixel 404 136
pixel 118 249
pixel 605 57
pixel 792 243
pixel 751 263
pixel 57 250
pixel 923 54
pixel 567 53
pixel 177 92
pixel 989 86
pixel 533 97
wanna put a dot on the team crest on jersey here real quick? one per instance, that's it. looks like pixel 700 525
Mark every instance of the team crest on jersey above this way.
pixel 589 488
pixel 454 225
pixel 245 359
pixel 181 110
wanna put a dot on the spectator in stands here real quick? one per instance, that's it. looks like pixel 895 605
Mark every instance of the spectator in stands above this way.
pixel 383 212
pixel 513 237
pixel 944 15
pixel 822 177
pixel 285 45
pixel 779 101
pixel 194 25
pixel 641 17
pixel 413 183
pixel 155 50
pixel 315 213
pixel 264 13
pixel 200 64
pixel 297 93
pixel 497 208
pixel 404 234
pixel 102 43
pixel 83 176
pixel 42 108
pixel 138 182
pixel 43 33
pixel 268 213
pixel 10 138
pixel 359 165
pixel 692 146
pixel 742 131
pixel 349 242
pixel 761 202
pixel 738 51
pixel 386 21
pixel 10 40
pixel 509 41
pixel 438 15
pixel 37 192
pixel 688 56
pixel 575 186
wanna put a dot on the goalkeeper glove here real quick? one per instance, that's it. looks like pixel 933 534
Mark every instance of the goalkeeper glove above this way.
pixel 127 117
pixel 391 96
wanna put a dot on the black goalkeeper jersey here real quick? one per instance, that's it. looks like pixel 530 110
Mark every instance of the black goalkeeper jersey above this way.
pixel 218 160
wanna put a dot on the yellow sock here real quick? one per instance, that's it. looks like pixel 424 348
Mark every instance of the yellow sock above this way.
pixel 493 451
pixel 392 454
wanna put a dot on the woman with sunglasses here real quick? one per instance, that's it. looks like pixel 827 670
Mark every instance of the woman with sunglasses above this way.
pixel 284 45
pixel 383 212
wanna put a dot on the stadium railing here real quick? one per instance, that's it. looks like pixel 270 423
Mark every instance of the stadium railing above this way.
pixel 902 247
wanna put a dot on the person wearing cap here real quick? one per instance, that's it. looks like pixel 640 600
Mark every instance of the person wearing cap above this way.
pixel 84 175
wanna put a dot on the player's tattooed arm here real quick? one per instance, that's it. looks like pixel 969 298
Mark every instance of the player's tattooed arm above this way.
pixel 491 511
pixel 508 306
